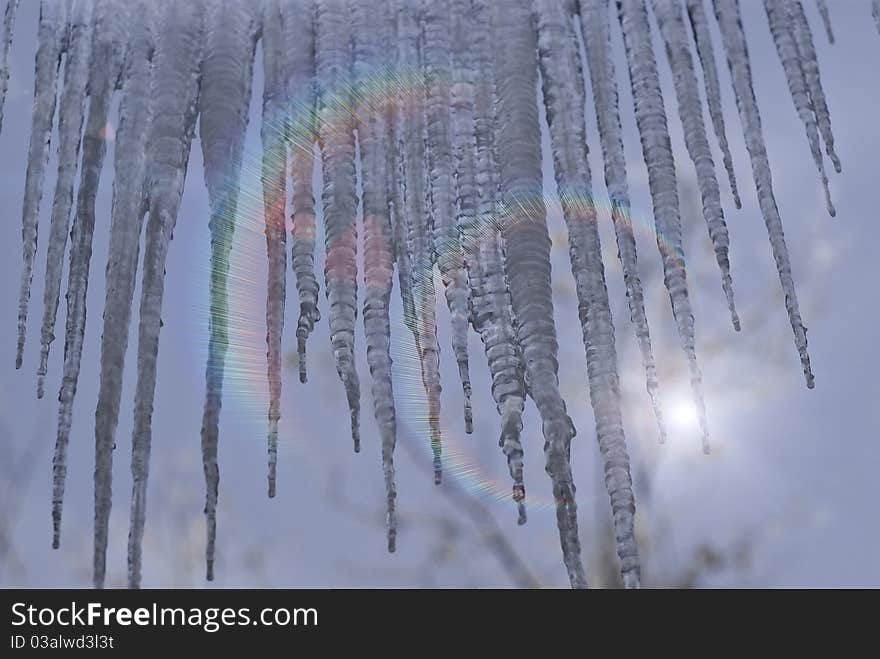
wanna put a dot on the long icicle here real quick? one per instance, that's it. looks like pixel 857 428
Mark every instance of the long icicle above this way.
pixel 657 150
pixel 447 246
pixel 783 36
pixel 70 120
pixel 227 72
pixel 299 38
pixel 399 78
pixel 178 58
pixel 562 83
pixel 110 47
pixel 597 44
pixel 339 195
pixel 729 19
pixel 810 65
pixel 822 6
pixel 51 39
pixel 672 27
pixel 378 240
pixel 126 222
pixel 5 43
pixel 875 12
pixel 478 182
pixel 418 244
pixel 706 52
pixel 273 134
pixel 527 256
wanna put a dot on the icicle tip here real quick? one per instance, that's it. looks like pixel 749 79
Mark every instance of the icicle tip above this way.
pixel 271 481
pixel 301 353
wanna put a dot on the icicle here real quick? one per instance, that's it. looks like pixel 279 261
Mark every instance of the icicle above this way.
pixel 299 38
pixel 657 149
pixel 70 121
pixel 397 75
pixel 478 179
pixel 690 110
pixel 705 50
pixel 109 48
pixel 135 118
pixel 5 43
pixel 372 127
pixel 447 246
pixel 339 196
pixel 177 64
pixel 51 38
pixel 596 37
pixel 822 6
pixel 224 99
pixel 418 243
pixel 564 98
pixel 783 37
pixel 728 15
pixel 875 12
pixel 810 65
pixel 274 178
pixel 527 255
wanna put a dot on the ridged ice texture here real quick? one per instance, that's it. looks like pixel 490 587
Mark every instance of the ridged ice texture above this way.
pixel 417 244
pixel 428 149
pixel 822 6
pixel 526 244
pixel 690 109
pixel 782 30
pixel 5 43
pixel 594 19
pixel 224 99
pixel 395 172
pixel 273 134
pixel 126 222
pixel 336 134
pixel 706 51
pixel 564 98
pixel 109 47
pixel 478 179
pixel 397 186
pixel 70 121
pixel 728 14
pixel 810 65
pixel 657 150
pixel 51 41
pixel 372 126
pixel 447 246
pixel 177 65
pixel 298 18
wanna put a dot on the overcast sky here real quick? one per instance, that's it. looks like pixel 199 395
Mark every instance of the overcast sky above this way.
pixel 788 496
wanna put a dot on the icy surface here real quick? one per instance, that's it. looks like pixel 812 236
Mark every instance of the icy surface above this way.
pixel 437 102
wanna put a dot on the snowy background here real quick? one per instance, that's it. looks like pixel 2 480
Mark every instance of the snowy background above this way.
pixel 787 498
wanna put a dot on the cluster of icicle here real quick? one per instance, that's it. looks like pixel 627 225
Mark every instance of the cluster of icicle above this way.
pixel 436 100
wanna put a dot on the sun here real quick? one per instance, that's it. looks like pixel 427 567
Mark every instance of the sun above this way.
pixel 683 415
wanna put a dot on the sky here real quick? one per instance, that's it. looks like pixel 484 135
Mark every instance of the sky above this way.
pixel 786 498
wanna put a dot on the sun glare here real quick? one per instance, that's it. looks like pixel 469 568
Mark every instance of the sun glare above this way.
pixel 684 415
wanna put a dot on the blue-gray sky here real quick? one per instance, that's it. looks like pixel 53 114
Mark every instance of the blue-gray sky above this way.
pixel 792 476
